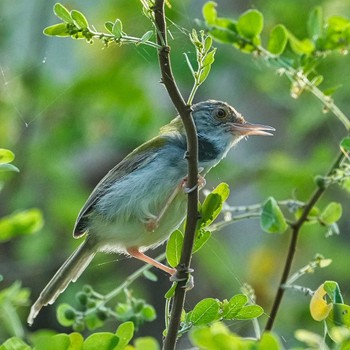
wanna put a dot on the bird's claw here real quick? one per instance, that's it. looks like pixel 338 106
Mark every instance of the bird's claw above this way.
pixel 200 184
pixel 183 274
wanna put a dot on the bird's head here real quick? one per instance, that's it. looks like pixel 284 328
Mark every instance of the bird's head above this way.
pixel 220 126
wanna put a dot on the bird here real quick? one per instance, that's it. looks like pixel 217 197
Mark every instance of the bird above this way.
pixel 142 200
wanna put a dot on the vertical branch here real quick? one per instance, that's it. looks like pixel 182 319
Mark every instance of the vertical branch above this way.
pixel 192 157
pixel 296 227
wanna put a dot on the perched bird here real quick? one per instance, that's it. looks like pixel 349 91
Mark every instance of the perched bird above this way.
pixel 142 200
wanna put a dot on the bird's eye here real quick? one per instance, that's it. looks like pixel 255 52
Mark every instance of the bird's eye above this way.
pixel 221 113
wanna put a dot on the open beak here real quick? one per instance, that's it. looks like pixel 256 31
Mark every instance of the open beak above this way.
pixel 246 129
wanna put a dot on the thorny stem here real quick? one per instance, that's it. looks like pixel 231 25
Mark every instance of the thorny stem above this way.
pixel 192 157
pixel 296 227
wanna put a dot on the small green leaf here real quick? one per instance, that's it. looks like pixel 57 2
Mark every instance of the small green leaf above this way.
pixel 331 214
pixel 101 341
pixel 249 312
pixel 269 341
pixel 212 204
pixel 300 47
pixel 22 223
pixel 272 219
pixel 146 343
pixel 250 24
pixel 76 341
pixel 206 311
pixel 79 19
pixel 65 315
pixel 235 304
pixel 117 29
pixel 109 26
pixel 202 236
pixel 57 30
pixel 315 22
pixel 8 167
pixel 14 343
pixel 62 13
pixel 345 144
pixel 150 276
pixel 333 291
pixel 170 293
pixel 6 156
pixel 174 248
pixel 125 332
pixel 148 313
pixel 278 40
pixel 208 42
pixel 209 12
pixel 145 37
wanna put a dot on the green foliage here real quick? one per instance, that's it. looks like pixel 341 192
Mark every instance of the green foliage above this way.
pixel 22 223
pixel 6 157
pixel 272 219
pixel 76 26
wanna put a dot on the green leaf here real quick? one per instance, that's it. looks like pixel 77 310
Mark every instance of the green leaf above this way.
pixel 212 204
pixel 76 341
pixel 174 248
pixel 65 315
pixel 232 307
pixel 250 24
pixel 300 47
pixel 206 311
pixel 278 40
pixel 202 236
pixel 339 316
pixel 269 341
pixel 150 276
pixel 146 343
pixel 8 167
pixel 272 219
pixel 22 223
pixel 109 26
pixel 331 214
pixel 170 293
pixel 57 30
pixel 249 312
pixel 79 19
pixel 345 144
pixel 101 341
pixel 125 332
pixel 62 13
pixel 333 291
pixel 148 313
pixel 6 156
pixel 209 12
pixel 315 22
pixel 14 343
pixel 145 37
pixel 117 29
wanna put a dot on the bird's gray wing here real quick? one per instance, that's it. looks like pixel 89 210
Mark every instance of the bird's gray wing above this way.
pixel 138 158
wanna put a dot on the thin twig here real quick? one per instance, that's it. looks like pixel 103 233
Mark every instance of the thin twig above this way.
pixel 296 227
pixel 192 157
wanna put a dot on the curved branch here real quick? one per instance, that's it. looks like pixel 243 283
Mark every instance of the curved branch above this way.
pixel 192 157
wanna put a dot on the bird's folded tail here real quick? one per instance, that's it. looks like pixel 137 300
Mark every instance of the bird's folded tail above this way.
pixel 68 272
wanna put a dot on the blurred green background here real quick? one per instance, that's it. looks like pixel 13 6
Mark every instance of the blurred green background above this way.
pixel 70 111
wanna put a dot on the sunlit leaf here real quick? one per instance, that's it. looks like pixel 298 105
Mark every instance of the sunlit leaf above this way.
pixel 8 167
pixel 300 47
pixel 206 311
pixel 209 12
pixel 278 40
pixel 202 236
pixel 62 13
pixel 331 214
pixel 6 156
pixel 345 144
pixel 57 30
pixel 234 305
pixel 125 332
pixel 79 19
pixel 101 341
pixel 250 24
pixel 333 291
pixel 117 29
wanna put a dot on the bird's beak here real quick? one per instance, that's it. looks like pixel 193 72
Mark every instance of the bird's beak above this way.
pixel 246 129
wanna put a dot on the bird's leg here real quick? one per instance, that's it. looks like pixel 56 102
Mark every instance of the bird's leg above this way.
pixel 153 223
pixel 138 255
